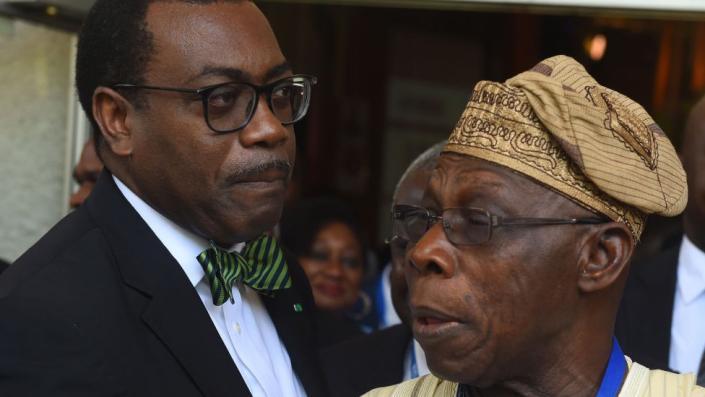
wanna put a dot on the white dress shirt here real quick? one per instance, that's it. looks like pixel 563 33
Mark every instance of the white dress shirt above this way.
pixel 415 361
pixel 688 326
pixel 389 315
pixel 245 327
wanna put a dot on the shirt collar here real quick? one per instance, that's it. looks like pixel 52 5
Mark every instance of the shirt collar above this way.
pixel 183 245
pixel 691 271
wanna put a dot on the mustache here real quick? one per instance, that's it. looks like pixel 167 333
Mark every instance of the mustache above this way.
pixel 252 171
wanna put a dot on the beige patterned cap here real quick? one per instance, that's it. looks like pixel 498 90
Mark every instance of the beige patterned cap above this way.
pixel 557 125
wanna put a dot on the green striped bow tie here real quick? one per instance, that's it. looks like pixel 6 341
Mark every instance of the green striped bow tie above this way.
pixel 261 265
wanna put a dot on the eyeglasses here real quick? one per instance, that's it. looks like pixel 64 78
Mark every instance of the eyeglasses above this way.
pixel 228 107
pixel 466 226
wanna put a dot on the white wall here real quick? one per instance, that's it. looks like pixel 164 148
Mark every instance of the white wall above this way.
pixel 36 131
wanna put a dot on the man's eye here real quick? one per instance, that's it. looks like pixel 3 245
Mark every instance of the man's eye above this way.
pixel 224 99
pixel 283 97
pixel 283 91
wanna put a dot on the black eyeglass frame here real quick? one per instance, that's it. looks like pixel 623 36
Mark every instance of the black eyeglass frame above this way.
pixel 495 221
pixel 204 93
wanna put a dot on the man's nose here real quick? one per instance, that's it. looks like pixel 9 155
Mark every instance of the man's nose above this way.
pixel 264 129
pixel 432 254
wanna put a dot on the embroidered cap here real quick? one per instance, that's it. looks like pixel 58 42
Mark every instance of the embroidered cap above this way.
pixel 597 147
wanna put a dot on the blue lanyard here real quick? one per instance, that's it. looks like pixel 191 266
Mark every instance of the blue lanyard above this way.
pixel 614 374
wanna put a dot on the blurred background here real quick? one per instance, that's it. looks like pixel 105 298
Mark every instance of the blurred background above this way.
pixel 394 77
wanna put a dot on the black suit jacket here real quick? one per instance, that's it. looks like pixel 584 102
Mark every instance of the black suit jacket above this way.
pixel 359 365
pixel 98 307
pixel 643 325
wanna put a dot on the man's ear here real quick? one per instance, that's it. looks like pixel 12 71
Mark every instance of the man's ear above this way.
pixel 113 114
pixel 604 256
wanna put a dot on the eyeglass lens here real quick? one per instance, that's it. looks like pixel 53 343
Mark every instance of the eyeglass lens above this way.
pixel 466 225
pixel 462 225
pixel 230 106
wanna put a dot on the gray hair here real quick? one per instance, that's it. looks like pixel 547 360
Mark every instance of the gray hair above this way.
pixel 424 160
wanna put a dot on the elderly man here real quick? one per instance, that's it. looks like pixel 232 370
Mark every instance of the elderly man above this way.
pixel 163 283
pixel 391 355
pixel 662 317
pixel 517 264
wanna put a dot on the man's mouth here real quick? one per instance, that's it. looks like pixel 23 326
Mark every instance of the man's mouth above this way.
pixel 272 174
pixel 269 176
pixel 432 323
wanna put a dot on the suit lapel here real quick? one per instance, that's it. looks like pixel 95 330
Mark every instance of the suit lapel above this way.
pixel 174 313
pixel 394 342
pixel 183 325
pixel 291 311
pixel 397 341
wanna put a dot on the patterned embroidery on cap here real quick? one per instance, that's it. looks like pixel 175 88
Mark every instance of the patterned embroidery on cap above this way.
pixel 632 131
pixel 626 127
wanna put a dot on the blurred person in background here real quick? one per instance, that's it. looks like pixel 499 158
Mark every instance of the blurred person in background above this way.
pixel 661 322
pixel 329 243
pixel 86 173
pixel 390 355
pixel 409 190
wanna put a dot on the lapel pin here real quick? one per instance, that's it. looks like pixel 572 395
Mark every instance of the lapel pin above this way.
pixel 298 308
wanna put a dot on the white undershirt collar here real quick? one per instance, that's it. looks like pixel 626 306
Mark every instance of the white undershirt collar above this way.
pixel 247 331
pixel 691 271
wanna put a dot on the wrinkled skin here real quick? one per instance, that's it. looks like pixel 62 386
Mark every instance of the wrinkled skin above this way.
pixel 334 267
pixel 503 315
pixel 225 187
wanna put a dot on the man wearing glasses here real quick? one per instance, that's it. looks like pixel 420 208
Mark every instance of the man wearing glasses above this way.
pixel 164 283
pixel 516 267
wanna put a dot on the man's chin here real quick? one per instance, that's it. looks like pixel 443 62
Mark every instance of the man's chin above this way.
pixel 470 369
pixel 262 219
pixel 242 223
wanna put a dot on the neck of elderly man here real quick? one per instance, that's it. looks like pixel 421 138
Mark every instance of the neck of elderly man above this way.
pixel 540 301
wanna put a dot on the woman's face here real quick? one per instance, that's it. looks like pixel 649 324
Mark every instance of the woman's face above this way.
pixel 334 267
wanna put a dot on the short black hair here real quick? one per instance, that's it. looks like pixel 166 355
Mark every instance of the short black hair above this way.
pixel 115 46
pixel 302 221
